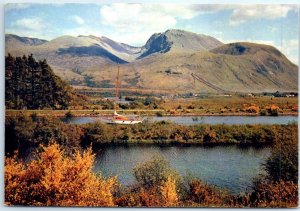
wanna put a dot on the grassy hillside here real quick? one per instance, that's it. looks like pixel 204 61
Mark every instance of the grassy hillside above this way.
pixel 237 73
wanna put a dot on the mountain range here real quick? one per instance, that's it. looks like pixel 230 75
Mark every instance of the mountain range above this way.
pixel 167 61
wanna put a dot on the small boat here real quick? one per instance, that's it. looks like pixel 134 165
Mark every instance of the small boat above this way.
pixel 118 118
pixel 126 120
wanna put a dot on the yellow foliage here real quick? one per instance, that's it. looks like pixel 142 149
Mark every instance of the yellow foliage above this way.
pixel 272 107
pixel 14 172
pixel 169 193
pixel 54 179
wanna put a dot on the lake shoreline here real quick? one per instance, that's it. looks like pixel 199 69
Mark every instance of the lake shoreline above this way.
pixel 162 133
pixel 173 143
pixel 106 113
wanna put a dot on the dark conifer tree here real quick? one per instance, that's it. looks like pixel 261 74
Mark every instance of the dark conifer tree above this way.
pixel 33 85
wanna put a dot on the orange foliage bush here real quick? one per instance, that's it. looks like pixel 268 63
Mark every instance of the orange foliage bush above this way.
pixel 272 109
pixel 54 179
pixel 252 109
pixel 140 197
pixel 150 198
pixel 294 107
pixel 204 194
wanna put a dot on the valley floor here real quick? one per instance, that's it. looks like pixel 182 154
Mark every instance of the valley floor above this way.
pixel 177 106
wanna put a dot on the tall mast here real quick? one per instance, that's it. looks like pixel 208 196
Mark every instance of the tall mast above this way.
pixel 117 87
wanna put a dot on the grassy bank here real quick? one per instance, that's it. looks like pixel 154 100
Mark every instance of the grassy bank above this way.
pixel 166 133
pixel 23 132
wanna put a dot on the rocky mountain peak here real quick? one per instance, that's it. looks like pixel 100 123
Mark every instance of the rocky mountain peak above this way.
pixel 178 40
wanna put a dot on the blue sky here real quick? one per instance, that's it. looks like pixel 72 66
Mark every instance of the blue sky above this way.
pixel 275 24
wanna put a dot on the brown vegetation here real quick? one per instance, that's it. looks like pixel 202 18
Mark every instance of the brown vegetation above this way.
pixel 275 194
pixel 54 179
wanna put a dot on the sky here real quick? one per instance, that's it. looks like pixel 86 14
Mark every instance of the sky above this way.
pixel 133 24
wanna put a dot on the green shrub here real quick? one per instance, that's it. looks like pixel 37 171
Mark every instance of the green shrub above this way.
pixel 263 112
pixel 154 173
pixel 283 162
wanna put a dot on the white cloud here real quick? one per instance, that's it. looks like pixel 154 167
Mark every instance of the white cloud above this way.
pixel 31 27
pixel 30 24
pixel 15 6
pixel 244 13
pixel 133 16
pixel 291 49
pixel 128 17
pixel 142 20
pixel 212 8
pixel 79 20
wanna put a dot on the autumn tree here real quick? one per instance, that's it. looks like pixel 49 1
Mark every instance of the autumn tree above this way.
pixel 169 193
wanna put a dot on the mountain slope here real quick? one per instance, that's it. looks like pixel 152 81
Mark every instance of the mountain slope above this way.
pixel 260 68
pixel 70 56
pixel 166 61
pixel 75 46
pixel 14 39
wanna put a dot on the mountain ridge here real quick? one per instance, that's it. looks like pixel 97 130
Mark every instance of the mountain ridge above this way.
pixel 166 61
pixel 25 40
